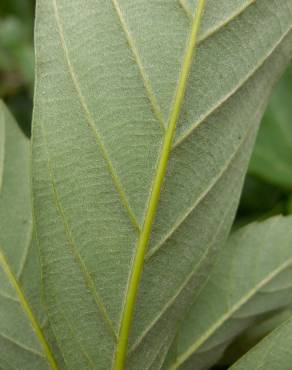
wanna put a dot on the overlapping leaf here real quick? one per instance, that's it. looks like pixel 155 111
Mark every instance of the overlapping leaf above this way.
pixel 253 335
pixel 253 276
pixel 20 334
pixel 110 77
pixel 273 352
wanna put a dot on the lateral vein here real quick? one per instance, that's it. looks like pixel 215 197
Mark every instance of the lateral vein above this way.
pixel 8 297
pixel 186 9
pixel 188 132
pixel 91 122
pixel 138 262
pixel 217 28
pixel 84 353
pixel 198 343
pixel 28 311
pixel 22 346
pixel 185 282
pixel 150 94
pixel 74 250
pixel 225 22
pixel 202 196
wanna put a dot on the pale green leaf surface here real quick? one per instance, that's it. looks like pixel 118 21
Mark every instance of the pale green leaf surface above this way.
pixel 271 158
pixel 273 352
pixel 19 345
pixel 15 194
pixel 253 276
pixel 218 15
pixel 106 80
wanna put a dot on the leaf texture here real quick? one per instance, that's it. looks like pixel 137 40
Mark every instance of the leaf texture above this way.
pixel 273 352
pixel 252 277
pixel 111 78
pixel 22 342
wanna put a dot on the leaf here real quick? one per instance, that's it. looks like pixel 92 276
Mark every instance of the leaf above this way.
pixel 253 335
pixel 22 342
pixel 271 159
pixel 252 277
pixel 113 84
pixel 273 352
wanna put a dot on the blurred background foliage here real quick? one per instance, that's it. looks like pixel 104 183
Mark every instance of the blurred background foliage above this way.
pixel 17 58
pixel 268 186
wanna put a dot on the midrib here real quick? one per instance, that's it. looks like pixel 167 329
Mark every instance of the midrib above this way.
pixel 138 262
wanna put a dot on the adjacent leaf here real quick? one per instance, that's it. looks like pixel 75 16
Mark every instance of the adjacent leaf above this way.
pixel 22 343
pixel 273 352
pixel 114 81
pixel 252 277
pixel 271 159
pixel 253 335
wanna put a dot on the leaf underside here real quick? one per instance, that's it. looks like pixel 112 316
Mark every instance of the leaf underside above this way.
pixel 20 347
pixel 272 352
pixel 107 74
pixel 251 278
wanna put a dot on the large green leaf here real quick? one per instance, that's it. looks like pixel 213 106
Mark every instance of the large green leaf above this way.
pixel 22 342
pixel 114 85
pixel 252 277
pixel 271 159
pixel 273 352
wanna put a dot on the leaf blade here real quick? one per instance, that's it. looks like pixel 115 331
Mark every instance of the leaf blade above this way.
pixel 248 248
pixel 22 340
pixel 90 120
pixel 111 82
pixel 271 351
pixel 28 311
